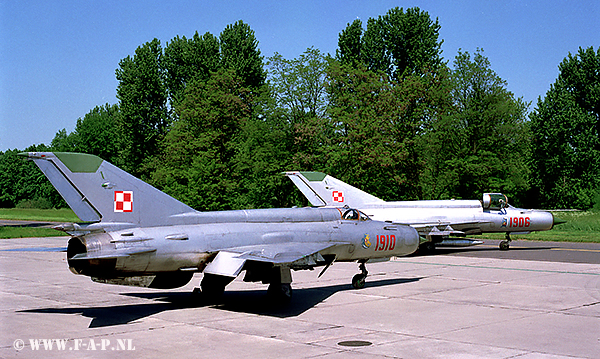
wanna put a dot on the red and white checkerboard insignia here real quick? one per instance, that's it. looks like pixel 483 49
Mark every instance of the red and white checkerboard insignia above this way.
pixel 123 201
pixel 338 196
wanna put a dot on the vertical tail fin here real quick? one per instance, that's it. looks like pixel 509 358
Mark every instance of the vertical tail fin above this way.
pixel 97 190
pixel 323 190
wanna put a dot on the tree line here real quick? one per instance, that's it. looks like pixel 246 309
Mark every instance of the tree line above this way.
pixel 212 122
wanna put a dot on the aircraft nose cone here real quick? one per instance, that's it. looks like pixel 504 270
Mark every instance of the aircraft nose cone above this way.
pixel 556 221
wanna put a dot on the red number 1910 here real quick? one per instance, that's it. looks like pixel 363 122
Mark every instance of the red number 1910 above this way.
pixel 385 242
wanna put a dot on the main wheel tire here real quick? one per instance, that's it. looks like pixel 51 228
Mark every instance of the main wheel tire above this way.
pixel 213 286
pixel 429 247
pixel 280 291
pixel 504 245
pixel 358 281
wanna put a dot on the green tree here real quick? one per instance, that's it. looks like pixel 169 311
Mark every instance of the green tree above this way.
pixel 239 51
pixel 491 142
pixel 205 158
pixel 97 133
pixel 186 60
pixel 375 123
pixel 565 129
pixel 22 183
pixel 64 142
pixel 12 170
pixel 374 48
pixel 298 120
pixel 399 43
pixel 383 104
pixel 142 96
pixel 263 152
pixel 299 84
pixel 413 41
pixel 195 162
pixel 349 44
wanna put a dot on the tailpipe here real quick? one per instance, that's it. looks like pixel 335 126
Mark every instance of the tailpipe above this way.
pixel 81 259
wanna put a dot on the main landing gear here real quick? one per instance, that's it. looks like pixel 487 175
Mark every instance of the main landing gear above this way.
pixel 279 279
pixel 358 281
pixel 213 286
pixel 504 245
pixel 280 291
pixel 280 286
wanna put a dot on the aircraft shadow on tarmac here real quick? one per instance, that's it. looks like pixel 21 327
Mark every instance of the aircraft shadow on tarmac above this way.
pixel 452 250
pixel 252 302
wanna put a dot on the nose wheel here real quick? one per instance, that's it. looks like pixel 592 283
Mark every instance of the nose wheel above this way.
pixel 505 244
pixel 358 281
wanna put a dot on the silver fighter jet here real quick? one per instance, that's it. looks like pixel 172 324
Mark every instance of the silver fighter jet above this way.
pixel 438 222
pixel 135 234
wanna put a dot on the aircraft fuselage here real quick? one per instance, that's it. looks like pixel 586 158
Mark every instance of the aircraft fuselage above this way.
pixel 464 215
pixel 190 247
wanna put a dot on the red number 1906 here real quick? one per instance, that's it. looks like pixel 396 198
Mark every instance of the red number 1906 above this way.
pixel 519 222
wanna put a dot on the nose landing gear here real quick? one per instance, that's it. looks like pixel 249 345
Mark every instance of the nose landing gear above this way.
pixel 505 244
pixel 358 281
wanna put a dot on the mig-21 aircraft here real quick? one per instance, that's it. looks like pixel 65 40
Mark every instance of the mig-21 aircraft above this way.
pixel 439 222
pixel 136 235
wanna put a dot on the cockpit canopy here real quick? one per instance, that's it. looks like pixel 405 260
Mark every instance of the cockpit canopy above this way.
pixel 353 214
pixel 494 201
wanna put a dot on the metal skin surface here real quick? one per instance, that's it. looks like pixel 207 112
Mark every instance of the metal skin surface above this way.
pixel 436 221
pixel 137 235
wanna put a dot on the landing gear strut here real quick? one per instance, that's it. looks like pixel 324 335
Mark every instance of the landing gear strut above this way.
pixel 504 245
pixel 280 287
pixel 358 281
pixel 213 286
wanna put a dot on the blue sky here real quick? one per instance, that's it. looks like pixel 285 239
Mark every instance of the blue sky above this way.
pixel 58 59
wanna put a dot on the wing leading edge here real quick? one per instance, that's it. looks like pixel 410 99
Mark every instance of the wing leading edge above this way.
pixel 230 262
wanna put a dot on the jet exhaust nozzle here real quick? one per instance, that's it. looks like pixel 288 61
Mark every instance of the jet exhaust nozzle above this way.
pixel 78 251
